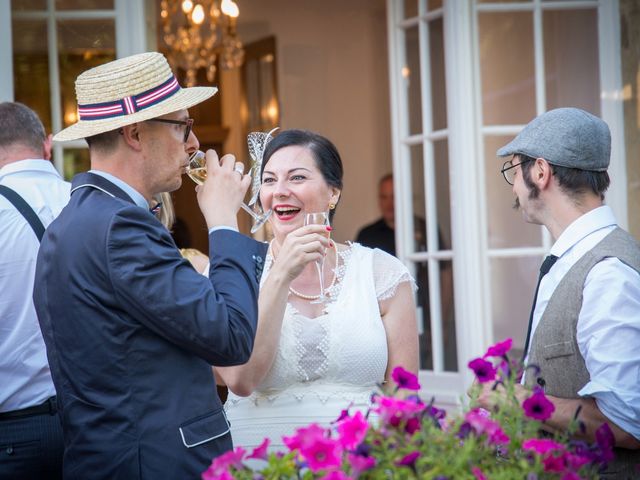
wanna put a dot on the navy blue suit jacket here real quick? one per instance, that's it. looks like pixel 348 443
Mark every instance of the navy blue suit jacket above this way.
pixel 131 330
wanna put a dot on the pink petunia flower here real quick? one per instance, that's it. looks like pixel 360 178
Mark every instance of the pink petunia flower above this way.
pixel 409 460
pixel 352 430
pixel 481 423
pixel 304 436
pixel 538 406
pixel 360 463
pixel 322 453
pixel 553 463
pixel 500 349
pixel 260 452
pixel 484 371
pixel 405 379
pixel 394 410
pixel 542 445
pixel 219 468
pixel 571 476
pixel 478 473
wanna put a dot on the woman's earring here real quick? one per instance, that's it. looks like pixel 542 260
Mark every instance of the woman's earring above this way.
pixel 332 206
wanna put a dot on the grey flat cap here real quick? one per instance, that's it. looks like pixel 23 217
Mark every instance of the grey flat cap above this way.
pixel 567 137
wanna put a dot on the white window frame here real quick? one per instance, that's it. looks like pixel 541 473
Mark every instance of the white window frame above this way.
pixel 474 329
pixel 130 31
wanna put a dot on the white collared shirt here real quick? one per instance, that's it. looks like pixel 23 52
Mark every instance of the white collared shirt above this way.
pixel 24 372
pixel 608 330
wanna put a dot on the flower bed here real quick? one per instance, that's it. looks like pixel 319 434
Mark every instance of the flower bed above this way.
pixel 411 438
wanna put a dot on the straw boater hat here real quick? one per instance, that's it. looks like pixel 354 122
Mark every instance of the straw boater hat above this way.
pixel 126 91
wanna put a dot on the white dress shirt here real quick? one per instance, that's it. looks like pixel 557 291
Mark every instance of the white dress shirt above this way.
pixel 608 329
pixel 25 378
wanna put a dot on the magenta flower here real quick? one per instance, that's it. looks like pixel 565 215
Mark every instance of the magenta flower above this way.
pixel 360 463
pixel 412 425
pixel 500 349
pixel 542 445
pixel 479 420
pixel 485 372
pixel 405 379
pixel 571 476
pixel 260 452
pixel 394 410
pixel 336 475
pixel 304 436
pixel 478 473
pixel 554 463
pixel 538 406
pixel 409 460
pixel 322 453
pixel 352 430
pixel 219 468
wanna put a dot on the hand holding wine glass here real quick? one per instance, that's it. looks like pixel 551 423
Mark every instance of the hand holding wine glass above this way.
pixel 197 170
pixel 318 218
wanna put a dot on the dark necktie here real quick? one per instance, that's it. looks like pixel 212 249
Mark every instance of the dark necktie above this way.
pixel 544 269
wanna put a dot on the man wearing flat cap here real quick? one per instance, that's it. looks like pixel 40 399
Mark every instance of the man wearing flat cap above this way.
pixel 131 329
pixel 584 329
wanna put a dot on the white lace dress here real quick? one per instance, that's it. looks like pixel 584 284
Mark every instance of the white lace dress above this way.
pixel 327 363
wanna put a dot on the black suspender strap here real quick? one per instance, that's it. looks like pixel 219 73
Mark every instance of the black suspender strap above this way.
pixel 25 210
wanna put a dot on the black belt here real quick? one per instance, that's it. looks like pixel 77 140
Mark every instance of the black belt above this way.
pixel 49 406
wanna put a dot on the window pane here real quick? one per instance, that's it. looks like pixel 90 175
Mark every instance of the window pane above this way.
pixel 418 198
pixel 84 4
pixel 448 328
pixel 571 59
pixel 76 160
pixel 411 75
pixel 441 161
pixel 410 8
pixel 82 44
pixel 438 84
pixel 506 228
pixel 434 4
pixel 24 5
pixel 31 67
pixel 507 68
pixel 513 283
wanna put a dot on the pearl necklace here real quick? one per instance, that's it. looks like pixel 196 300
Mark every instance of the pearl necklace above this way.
pixel 333 280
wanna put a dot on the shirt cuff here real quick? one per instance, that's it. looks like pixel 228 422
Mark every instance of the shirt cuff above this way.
pixel 621 408
pixel 221 227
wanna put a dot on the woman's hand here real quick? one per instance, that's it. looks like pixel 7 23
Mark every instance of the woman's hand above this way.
pixel 302 246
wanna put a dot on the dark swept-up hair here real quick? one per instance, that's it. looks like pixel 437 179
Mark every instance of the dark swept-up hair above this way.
pixel 324 153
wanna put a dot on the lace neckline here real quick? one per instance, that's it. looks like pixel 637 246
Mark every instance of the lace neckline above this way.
pixel 333 291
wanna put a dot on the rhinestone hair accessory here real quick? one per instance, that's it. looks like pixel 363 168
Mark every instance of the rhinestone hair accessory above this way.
pixel 257 142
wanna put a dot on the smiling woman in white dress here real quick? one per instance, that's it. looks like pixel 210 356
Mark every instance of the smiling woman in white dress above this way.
pixel 311 360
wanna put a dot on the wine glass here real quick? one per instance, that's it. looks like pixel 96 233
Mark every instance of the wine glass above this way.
pixel 197 171
pixel 318 218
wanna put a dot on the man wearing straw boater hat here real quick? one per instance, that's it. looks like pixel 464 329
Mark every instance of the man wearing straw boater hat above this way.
pixel 131 328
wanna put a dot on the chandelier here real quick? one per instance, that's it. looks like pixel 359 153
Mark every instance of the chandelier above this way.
pixel 200 32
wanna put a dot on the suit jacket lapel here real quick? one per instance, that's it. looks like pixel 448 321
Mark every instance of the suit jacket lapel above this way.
pixel 91 180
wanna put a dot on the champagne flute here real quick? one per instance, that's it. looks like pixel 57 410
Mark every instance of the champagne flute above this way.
pixel 318 218
pixel 197 171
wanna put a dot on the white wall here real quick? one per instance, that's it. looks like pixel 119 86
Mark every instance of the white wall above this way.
pixel 333 79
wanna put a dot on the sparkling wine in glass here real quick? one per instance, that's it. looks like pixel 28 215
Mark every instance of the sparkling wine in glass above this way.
pixel 318 218
pixel 197 171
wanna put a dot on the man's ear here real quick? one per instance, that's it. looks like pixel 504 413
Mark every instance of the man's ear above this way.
pixel 47 146
pixel 131 135
pixel 541 173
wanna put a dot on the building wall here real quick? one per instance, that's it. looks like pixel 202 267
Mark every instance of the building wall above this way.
pixel 333 78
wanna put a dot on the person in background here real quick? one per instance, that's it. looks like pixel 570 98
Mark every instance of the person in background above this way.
pixel 131 328
pixel 28 410
pixel 381 234
pixel 584 328
pixel 313 358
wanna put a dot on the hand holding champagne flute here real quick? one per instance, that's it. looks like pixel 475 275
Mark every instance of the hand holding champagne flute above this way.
pixel 318 218
pixel 197 171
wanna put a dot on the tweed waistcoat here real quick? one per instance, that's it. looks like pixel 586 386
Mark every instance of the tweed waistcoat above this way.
pixel 554 347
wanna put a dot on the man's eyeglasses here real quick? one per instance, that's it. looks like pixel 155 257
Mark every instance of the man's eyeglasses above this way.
pixel 507 170
pixel 188 123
